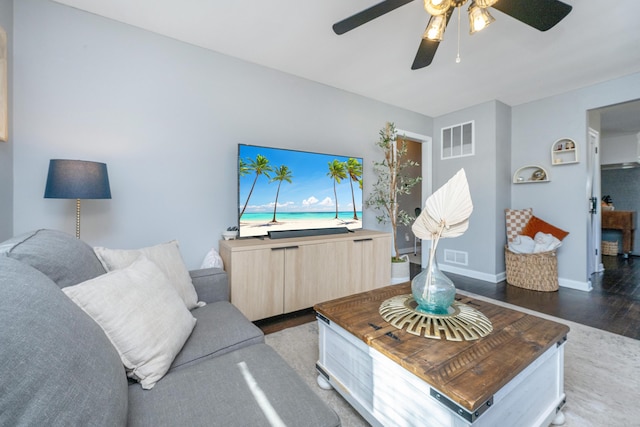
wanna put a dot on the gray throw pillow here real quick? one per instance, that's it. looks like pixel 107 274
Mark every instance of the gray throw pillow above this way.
pixel 57 366
pixel 61 257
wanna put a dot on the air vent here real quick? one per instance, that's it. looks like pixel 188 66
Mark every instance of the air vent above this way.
pixel 456 257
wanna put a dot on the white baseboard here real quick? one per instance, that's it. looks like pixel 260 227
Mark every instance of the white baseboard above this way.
pixel 574 284
pixel 497 278
pixel 493 278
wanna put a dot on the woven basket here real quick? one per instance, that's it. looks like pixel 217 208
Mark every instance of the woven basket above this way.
pixel 610 248
pixel 538 271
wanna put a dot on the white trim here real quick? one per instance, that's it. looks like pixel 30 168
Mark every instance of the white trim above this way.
pixel 492 278
pixel 574 284
pixel 497 278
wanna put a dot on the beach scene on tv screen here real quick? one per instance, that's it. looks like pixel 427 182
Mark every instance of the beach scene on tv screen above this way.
pixel 281 189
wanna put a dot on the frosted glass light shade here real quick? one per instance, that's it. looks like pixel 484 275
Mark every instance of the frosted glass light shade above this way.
pixel 479 18
pixel 435 28
pixel 437 7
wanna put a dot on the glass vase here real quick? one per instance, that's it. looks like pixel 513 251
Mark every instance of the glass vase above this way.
pixel 432 290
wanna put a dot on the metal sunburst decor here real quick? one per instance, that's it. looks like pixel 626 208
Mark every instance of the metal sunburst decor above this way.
pixel 462 323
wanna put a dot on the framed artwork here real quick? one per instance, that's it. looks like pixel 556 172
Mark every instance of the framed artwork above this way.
pixel 4 94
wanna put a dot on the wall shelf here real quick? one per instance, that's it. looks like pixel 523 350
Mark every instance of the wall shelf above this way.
pixel 564 152
pixel 531 174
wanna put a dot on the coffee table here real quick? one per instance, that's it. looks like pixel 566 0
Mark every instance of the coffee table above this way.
pixel 511 377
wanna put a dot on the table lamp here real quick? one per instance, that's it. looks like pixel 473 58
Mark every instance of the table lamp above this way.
pixel 77 179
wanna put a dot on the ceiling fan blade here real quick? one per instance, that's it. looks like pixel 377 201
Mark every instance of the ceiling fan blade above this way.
pixel 367 15
pixel 539 14
pixel 427 49
pixel 425 54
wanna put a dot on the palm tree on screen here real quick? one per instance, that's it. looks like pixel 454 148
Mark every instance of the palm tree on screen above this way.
pixel 337 172
pixel 354 169
pixel 243 169
pixel 260 166
pixel 282 173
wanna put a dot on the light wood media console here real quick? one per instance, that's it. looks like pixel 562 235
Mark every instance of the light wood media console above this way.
pixel 271 277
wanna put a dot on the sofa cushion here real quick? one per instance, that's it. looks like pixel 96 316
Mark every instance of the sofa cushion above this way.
pixel 211 284
pixel 221 328
pixel 142 315
pixel 166 256
pixel 57 367
pixel 216 392
pixel 60 256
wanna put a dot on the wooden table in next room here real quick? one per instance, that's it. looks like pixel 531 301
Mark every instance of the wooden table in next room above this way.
pixel 623 221
pixel 513 376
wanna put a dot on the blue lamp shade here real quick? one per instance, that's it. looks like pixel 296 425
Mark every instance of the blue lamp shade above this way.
pixel 77 179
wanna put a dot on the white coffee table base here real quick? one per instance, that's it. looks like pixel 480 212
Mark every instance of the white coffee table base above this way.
pixel 386 394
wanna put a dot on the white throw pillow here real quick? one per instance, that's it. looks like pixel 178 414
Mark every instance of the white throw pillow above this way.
pixel 141 314
pixel 166 256
pixel 212 260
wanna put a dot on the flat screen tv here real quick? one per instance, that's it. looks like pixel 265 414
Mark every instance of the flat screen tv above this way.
pixel 284 190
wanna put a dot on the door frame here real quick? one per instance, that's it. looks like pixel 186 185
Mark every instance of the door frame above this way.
pixel 594 254
pixel 426 165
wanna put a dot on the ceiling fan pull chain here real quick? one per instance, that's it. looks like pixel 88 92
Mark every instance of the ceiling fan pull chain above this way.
pixel 458 57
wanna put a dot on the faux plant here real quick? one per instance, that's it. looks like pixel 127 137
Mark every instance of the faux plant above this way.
pixel 392 182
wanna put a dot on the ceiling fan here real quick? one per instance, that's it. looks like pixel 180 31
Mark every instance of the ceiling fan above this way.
pixel 539 14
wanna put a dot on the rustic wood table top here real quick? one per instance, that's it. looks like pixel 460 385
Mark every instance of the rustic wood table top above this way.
pixel 468 372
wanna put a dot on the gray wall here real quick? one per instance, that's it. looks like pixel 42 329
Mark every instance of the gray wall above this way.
pixel 166 117
pixel 6 148
pixel 487 174
pixel 563 201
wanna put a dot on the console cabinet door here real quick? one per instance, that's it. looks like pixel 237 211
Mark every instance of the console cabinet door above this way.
pixel 313 274
pixel 257 282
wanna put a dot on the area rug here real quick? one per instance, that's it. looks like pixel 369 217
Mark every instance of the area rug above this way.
pixel 602 373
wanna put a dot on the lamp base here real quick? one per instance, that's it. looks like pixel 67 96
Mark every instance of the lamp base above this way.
pixel 77 218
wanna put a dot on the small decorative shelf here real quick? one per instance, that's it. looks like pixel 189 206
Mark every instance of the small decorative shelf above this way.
pixel 530 174
pixel 564 152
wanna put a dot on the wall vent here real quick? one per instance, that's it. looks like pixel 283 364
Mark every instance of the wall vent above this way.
pixel 456 257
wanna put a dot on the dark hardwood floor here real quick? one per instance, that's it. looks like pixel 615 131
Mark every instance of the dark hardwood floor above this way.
pixel 613 305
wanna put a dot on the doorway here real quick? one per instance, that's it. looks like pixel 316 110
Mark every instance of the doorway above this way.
pixel 615 129
pixel 419 150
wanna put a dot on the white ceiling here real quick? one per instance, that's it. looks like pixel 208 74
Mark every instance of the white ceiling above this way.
pixel 509 61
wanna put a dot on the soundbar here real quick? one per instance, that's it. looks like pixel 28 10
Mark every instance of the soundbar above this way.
pixel 283 234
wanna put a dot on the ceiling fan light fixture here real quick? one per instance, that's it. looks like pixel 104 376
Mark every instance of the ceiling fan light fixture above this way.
pixel 435 28
pixel 437 7
pixel 479 18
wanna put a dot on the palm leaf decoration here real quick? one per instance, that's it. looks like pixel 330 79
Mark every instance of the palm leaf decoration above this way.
pixel 446 213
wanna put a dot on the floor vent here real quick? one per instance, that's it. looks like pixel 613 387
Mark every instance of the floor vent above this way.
pixel 456 257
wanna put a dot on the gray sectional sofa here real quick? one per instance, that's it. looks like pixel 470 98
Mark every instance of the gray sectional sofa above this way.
pixel 58 367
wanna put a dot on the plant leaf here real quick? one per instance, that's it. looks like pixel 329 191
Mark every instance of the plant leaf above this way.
pixel 447 210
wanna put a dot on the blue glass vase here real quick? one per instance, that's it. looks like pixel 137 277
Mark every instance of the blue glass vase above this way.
pixel 432 290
